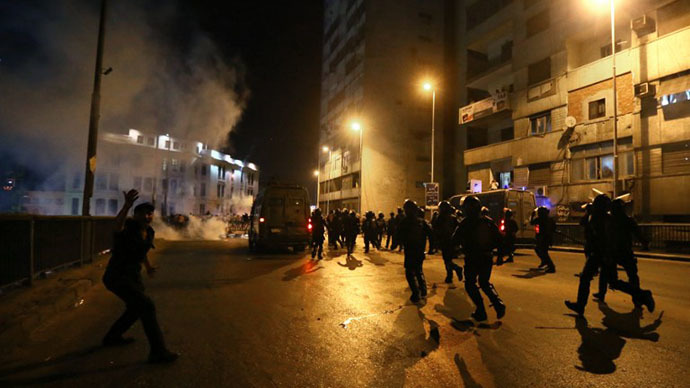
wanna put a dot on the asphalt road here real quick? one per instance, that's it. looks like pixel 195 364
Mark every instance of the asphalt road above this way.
pixel 279 319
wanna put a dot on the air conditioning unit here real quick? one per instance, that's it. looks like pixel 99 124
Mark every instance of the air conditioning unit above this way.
pixel 541 191
pixel 642 24
pixel 643 90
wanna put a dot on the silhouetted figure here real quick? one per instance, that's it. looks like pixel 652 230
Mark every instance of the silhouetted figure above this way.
pixel 599 347
pixel 132 240
pixel 398 219
pixel 433 241
pixel 317 230
pixel 370 232
pixel 380 229
pixel 545 228
pixel 332 237
pixel 351 230
pixel 412 233
pixel 478 236
pixel 508 229
pixel 444 226
pixel 390 230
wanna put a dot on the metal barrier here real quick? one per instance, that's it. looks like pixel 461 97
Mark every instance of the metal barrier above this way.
pixel 662 236
pixel 33 244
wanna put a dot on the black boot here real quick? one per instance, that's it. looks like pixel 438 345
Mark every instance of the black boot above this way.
pixel 458 271
pixel 479 314
pixel 412 282
pixel 579 309
pixel 449 277
pixel 496 302
pixel 422 283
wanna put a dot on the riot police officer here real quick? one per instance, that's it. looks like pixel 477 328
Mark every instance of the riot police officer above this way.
pixel 369 231
pixel 397 244
pixel 478 236
pixel 544 234
pixel 412 233
pixel 509 229
pixel 443 227
pixel 317 230
pixel 390 230
pixel 380 229
pixel 351 230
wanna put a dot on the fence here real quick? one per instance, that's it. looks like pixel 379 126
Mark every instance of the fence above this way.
pixel 32 244
pixel 664 237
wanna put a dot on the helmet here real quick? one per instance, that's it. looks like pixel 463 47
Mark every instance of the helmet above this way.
pixel 485 211
pixel 445 207
pixel 471 206
pixel 410 206
pixel 508 213
pixel 381 215
pixel 543 211
pixel 317 211
pixel 601 204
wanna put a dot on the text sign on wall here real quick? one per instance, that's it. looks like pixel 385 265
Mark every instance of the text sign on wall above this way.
pixel 431 194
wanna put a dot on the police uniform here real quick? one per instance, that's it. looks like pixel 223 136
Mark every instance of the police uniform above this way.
pixel 544 236
pixel 412 233
pixel 444 226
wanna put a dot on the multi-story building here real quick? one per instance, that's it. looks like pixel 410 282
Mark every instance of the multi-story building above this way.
pixel 536 101
pixel 375 55
pixel 177 175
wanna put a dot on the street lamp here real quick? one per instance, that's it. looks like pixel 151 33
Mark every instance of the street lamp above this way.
pixel 316 174
pixel 357 126
pixel 327 149
pixel 429 86
pixel 615 99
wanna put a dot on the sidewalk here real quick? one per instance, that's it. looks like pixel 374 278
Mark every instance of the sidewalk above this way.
pixel 639 254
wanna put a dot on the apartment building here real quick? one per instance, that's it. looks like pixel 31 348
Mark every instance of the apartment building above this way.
pixel 536 101
pixel 177 175
pixel 375 55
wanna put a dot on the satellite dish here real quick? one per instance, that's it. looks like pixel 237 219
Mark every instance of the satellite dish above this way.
pixel 570 122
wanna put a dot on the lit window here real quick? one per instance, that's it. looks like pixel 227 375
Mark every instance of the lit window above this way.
pixel 140 139
pixel 597 109
pixel 540 124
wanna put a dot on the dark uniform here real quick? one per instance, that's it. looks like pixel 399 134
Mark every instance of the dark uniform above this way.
pixel 544 235
pixel 443 227
pixel 317 230
pixel 351 230
pixel 380 229
pixel 478 236
pixel 602 236
pixel 433 241
pixel 412 232
pixel 397 244
pixel 370 232
pixel 390 230
pixel 509 229
pixel 123 278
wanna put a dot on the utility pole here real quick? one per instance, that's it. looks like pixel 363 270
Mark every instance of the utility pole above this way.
pixel 95 116
pixel 615 101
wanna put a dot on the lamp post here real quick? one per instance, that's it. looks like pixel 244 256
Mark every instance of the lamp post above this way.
pixel 615 103
pixel 327 149
pixel 428 86
pixel 357 126
pixel 316 174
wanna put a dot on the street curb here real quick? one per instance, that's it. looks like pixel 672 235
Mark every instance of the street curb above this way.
pixel 638 254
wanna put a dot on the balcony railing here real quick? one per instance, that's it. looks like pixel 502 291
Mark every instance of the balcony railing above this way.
pixel 484 108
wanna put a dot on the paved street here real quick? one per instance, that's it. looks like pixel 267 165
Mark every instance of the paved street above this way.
pixel 242 319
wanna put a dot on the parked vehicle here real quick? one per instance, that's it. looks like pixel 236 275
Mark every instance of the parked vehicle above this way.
pixel 521 202
pixel 280 218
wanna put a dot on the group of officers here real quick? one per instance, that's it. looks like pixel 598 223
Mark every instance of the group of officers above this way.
pixel 608 230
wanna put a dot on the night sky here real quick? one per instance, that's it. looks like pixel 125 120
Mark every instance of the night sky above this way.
pixel 280 44
pixel 195 69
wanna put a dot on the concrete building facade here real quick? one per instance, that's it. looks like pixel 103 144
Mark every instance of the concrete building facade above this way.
pixel 536 101
pixel 375 55
pixel 177 175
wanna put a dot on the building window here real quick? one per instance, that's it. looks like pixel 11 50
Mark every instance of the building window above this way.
pixel 605 50
pixel 203 170
pixel 137 183
pixel 597 109
pixel 675 158
pixel 601 167
pixel 75 206
pixel 76 182
pixel 537 23
pixel 176 145
pixel 112 206
pixel 220 191
pixel 202 208
pixel 101 182
pixel 173 186
pixel 167 144
pixel 477 137
pixel 539 71
pixel 540 124
pixel 100 206
pixel 202 190
pixel 673 16
pixel 221 173
pixel 150 141
pixel 114 182
pixel 507 134
pixel 174 165
pixel 140 139
pixel 148 185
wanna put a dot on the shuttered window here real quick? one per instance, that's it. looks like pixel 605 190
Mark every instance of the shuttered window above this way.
pixel 539 175
pixel 676 158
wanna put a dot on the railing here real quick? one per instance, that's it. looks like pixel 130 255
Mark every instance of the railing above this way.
pixel 33 244
pixel 663 237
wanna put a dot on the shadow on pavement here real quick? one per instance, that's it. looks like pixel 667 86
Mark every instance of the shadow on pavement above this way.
pixel 306 268
pixel 376 259
pixel 467 380
pixel 468 325
pixel 351 263
pixel 627 325
pixel 455 305
pixel 55 376
pixel 530 273
pixel 599 348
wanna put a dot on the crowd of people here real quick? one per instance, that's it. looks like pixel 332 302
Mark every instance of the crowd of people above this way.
pixel 471 233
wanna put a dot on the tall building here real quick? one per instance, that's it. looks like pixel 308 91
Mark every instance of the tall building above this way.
pixel 536 101
pixel 177 175
pixel 375 55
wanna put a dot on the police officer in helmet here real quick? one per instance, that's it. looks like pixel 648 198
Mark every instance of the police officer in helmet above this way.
pixel 412 233
pixel 444 226
pixel 479 236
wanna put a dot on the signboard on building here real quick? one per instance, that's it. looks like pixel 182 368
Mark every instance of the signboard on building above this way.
pixel 476 185
pixel 431 195
pixel 483 108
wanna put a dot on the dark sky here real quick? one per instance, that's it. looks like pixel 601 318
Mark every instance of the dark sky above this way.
pixel 185 67
pixel 280 44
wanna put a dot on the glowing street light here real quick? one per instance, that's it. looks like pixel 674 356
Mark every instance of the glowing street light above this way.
pixel 325 149
pixel 316 172
pixel 357 126
pixel 428 86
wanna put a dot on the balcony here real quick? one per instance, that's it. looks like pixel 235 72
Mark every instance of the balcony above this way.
pixel 484 108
